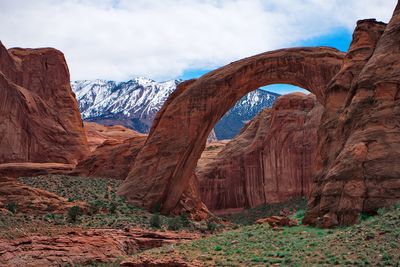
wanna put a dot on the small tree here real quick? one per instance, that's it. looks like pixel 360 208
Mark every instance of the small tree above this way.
pixel 73 213
pixel 155 220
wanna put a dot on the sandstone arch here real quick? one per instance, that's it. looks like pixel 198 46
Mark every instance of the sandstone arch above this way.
pixel 164 167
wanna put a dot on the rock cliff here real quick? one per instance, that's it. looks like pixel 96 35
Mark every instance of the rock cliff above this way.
pixel 39 115
pixel 360 136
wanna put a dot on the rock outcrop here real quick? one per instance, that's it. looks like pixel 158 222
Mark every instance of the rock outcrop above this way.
pixel 271 160
pixel 20 169
pixel 163 169
pixel 32 200
pixel 39 116
pixel 97 134
pixel 112 159
pixel 82 247
pixel 359 148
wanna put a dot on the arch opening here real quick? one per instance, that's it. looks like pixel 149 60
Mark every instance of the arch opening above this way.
pixel 271 160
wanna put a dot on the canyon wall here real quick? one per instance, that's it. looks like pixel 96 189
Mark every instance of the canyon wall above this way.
pixel 359 148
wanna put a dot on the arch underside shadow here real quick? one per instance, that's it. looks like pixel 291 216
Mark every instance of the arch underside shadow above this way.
pixel 163 169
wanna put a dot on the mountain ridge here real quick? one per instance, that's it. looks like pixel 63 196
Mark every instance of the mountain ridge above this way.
pixel 134 104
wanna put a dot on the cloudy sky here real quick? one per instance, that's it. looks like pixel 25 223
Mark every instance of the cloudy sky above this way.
pixel 166 39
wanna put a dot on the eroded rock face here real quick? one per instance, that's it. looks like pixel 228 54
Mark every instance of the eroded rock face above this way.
pixel 360 143
pixel 39 116
pixel 163 169
pixel 271 160
pixel 81 247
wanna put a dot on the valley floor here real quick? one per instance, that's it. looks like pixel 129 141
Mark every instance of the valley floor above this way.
pixel 111 232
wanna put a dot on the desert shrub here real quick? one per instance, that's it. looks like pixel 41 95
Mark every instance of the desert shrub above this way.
pixel 97 205
pixel 12 207
pixel 155 220
pixel 212 226
pixel 73 213
pixel 300 214
pixel 174 223
pixel 185 220
pixel 365 216
pixel 381 211
pixel 113 207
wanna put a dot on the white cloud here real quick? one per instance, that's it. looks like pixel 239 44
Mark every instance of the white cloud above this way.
pixel 160 39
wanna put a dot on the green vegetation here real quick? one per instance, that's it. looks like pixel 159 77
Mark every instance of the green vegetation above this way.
pixel 250 216
pixel 73 213
pixel 155 221
pixel 174 223
pixel 373 242
pixel 107 210
pixel 12 207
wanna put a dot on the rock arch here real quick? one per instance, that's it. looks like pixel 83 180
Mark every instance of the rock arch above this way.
pixel 164 167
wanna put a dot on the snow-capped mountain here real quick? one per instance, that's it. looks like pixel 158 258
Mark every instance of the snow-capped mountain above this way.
pixel 244 110
pixel 135 103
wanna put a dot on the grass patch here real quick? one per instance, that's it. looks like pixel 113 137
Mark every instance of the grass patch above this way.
pixel 373 242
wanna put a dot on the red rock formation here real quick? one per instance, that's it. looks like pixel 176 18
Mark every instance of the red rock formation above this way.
pixel 163 169
pixel 275 221
pixel 33 200
pixel 39 116
pixel 20 169
pixel 360 144
pixel 112 158
pixel 271 160
pixel 358 147
pixel 82 247
pixel 97 134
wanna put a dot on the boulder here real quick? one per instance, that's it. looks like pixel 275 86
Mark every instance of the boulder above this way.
pixel 275 221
